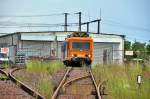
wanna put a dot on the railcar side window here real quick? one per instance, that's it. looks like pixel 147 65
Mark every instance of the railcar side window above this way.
pixel 81 45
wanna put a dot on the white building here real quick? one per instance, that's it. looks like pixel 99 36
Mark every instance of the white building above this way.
pixel 108 48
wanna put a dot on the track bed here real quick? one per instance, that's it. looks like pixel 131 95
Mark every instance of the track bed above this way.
pixel 78 84
pixel 9 90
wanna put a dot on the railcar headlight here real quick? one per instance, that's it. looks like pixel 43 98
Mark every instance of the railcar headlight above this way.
pixel 88 55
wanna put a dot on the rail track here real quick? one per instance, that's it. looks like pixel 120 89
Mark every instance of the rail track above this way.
pixel 77 83
pixel 12 88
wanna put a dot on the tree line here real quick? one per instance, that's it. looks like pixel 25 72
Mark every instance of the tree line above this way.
pixel 140 50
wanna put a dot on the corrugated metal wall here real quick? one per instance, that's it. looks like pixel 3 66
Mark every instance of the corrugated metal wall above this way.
pixel 103 53
pixel 106 53
pixel 40 49
pixel 34 48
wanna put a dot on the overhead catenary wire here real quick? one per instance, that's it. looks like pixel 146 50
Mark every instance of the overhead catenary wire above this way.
pixel 36 15
pixel 138 39
pixel 23 16
pixel 105 21
pixel 9 24
pixel 118 24
pixel 115 23
pixel 36 25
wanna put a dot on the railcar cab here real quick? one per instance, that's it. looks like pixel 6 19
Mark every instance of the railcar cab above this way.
pixel 78 50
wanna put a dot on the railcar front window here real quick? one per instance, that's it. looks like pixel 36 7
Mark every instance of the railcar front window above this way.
pixel 81 45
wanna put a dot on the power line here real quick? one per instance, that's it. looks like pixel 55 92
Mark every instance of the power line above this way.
pixel 105 21
pixel 140 39
pixel 118 24
pixel 12 23
pixel 42 15
pixel 37 25
pixel 38 15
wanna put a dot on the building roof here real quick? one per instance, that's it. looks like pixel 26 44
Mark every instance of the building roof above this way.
pixel 123 36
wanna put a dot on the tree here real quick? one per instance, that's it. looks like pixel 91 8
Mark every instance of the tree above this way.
pixel 139 49
pixel 127 45
pixel 148 48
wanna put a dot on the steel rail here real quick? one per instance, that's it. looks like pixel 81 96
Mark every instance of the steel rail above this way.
pixel 23 86
pixel 97 88
pixel 3 72
pixel 100 85
pixel 75 79
pixel 61 83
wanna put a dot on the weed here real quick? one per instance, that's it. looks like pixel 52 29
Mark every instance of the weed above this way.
pixel 45 87
pixel 38 66
pixel 122 81
pixel 46 70
pixel 4 78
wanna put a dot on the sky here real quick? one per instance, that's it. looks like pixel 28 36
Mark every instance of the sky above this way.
pixel 125 17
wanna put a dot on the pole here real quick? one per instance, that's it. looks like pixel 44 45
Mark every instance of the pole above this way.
pixel 99 22
pixel 87 26
pixel 98 26
pixel 65 26
pixel 79 21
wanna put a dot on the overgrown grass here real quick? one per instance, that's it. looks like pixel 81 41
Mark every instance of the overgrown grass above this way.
pixel 3 78
pixel 20 78
pixel 5 64
pixel 38 66
pixel 45 87
pixel 46 69
pixel 122 81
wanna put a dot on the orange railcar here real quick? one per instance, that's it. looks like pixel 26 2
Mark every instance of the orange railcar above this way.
pixel 77 51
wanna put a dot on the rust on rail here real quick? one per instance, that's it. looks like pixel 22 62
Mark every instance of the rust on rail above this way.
pixel 77 83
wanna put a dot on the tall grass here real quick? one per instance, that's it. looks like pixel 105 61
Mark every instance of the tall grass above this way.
pixel 46 69
pixel 5 64
pixel 38 66
pixel 122 81
pixel 45 87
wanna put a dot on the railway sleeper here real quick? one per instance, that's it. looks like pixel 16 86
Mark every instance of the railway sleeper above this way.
pixel 80 89
pixel 70 96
